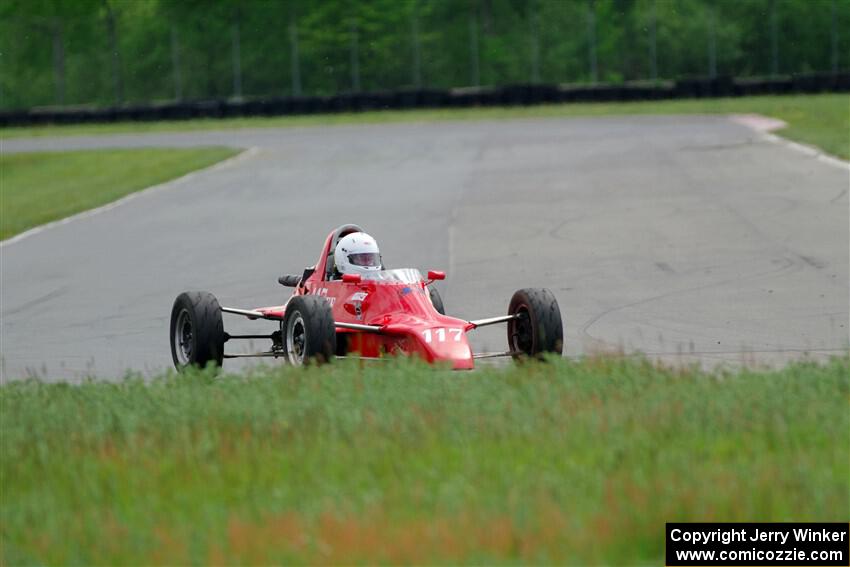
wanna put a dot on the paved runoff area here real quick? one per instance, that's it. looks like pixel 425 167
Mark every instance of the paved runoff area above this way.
pixel 688 238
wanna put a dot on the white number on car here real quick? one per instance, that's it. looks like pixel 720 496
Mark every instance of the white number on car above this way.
pixel 440 334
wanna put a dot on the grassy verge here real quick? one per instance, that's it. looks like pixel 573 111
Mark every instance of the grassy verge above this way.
pixel 39 187
pixel 819 120
pixel 568 462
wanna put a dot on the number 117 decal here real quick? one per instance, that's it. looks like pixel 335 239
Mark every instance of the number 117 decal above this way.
pixel 439 334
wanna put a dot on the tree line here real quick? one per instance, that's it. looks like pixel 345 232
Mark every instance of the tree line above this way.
pixel 114 52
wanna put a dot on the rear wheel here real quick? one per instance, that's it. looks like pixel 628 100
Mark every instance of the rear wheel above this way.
pixel 538 328
pixel 308 330
pixel 436 300
pixel 197 331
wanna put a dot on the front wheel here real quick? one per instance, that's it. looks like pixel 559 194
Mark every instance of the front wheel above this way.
pixel 308 330
pixel 538 328
pixel 436 300
pixel 197 331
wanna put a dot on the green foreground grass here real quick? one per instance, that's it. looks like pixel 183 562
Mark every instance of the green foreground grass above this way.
pixel 819 120
pixel 566 462
pixel 40 187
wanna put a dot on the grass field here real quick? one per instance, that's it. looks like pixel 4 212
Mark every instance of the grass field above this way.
pixel 567 462
pixel 819 120
pixel 39 187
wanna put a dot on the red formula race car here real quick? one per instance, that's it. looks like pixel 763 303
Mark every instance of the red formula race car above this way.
pixel 368 316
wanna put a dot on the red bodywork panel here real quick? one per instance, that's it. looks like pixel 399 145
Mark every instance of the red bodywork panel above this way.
pixel 408 321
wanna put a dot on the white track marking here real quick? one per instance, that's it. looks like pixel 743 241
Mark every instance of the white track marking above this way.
pixel 241 156
pixel 809 151
pixel 758 122
pixel 764 125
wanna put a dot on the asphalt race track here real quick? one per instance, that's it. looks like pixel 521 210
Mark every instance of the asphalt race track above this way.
pixel 689 238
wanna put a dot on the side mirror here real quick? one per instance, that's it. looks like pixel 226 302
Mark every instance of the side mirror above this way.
pixel 436 275
pixel 289 281
pixel 352 278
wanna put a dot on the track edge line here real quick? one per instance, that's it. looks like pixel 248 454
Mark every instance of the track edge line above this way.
pixel 244 154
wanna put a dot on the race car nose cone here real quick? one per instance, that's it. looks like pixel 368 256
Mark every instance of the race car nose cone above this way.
pixel 447 344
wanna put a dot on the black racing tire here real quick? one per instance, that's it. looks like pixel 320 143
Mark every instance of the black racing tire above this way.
pixel 539 328
pixel 308 331
pixel 196 330
pixel 436 300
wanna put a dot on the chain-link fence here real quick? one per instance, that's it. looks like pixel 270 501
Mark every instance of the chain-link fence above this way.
pixel 114 53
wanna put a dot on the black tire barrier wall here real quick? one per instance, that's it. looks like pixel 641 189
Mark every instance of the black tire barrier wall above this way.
pixel 511 95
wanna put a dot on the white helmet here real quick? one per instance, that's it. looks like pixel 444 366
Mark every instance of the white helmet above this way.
pixel 357 253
